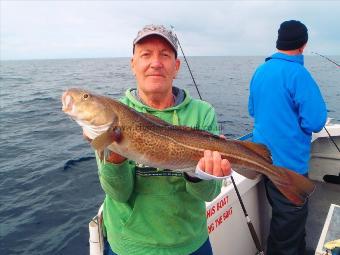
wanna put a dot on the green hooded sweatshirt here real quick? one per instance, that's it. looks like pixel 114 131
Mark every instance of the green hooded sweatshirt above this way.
pixel 152 211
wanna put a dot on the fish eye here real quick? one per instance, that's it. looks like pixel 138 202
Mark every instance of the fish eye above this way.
pixel 86 96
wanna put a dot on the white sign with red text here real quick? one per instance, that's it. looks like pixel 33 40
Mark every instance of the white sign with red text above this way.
pixel 218 212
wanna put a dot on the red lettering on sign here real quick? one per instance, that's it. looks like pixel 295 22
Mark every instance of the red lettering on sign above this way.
pixel 211 211
pixel 211 228
pixel 217 206
pixel 222 203
pixel 227 213
pixel 218 221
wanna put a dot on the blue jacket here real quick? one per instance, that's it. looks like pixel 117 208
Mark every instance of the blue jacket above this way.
pixel 287 107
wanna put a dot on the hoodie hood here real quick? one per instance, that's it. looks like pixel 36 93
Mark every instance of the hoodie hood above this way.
pixel 291 58
pixel 170 114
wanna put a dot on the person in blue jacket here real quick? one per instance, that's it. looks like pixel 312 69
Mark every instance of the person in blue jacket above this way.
pixel 287 107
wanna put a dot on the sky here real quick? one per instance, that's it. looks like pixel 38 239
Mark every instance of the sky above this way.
pixel 103 29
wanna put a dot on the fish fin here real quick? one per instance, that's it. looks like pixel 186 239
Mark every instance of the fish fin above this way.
pixel 101 155
pixel 155 119
pixel 163 123
pixel 246 172
pixel 259 149
pixel 202 133
pixel 293 186
pixel 113 134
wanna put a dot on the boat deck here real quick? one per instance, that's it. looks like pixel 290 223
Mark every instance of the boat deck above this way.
pixel 319 203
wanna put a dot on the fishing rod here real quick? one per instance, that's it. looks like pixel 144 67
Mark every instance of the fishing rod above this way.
pixel 330 60
pixel 185 59
pixel 249 222
pixel 256 240
pixel 331 138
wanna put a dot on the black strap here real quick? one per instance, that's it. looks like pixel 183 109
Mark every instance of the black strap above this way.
pixel 151 171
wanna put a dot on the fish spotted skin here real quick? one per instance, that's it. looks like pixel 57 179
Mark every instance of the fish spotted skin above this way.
pixel 156 143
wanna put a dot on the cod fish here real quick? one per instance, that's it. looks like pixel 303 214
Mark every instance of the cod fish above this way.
pixel 148 140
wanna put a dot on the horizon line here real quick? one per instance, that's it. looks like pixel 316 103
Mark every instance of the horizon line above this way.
pixel 83 58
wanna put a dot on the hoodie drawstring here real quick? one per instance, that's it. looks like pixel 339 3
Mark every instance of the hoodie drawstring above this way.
pixel 175 119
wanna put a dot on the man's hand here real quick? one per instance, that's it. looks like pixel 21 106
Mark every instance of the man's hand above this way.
pixel 213 164
pixel 112 157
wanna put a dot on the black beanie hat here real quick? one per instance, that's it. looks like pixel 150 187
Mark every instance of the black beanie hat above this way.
pixel 292 35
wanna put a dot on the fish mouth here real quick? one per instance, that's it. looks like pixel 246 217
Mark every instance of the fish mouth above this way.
pixel 67 102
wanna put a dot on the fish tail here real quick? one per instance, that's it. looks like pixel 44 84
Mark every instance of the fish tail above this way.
pixel 293 186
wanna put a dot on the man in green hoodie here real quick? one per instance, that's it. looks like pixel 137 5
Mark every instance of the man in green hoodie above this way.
pixel 155 211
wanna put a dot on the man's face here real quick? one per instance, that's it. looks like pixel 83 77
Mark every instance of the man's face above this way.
pixel 154 64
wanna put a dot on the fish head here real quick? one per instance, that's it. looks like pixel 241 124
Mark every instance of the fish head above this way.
pixel 86 108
